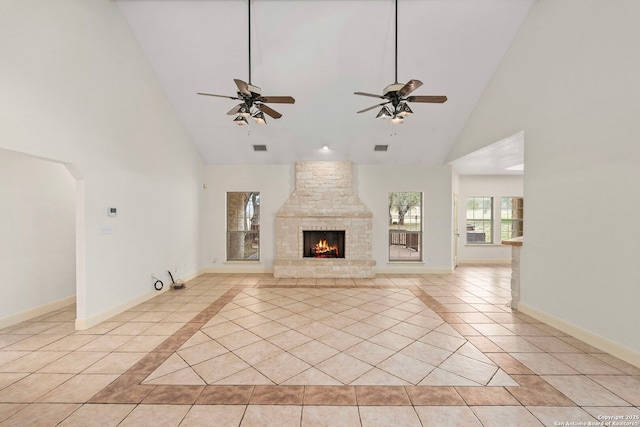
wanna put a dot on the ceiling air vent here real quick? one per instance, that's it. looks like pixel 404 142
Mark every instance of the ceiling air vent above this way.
pixel 259 148
pixel 380 148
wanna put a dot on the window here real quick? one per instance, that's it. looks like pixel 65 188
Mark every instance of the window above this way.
pixel 405 226
pixel 243 226
pixel 511 217
pixel 479 220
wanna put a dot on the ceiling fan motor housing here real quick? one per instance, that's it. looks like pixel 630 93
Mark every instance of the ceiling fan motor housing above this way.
pixel 392 88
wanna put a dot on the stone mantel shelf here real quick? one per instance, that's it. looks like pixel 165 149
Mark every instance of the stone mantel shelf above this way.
pixel 516 241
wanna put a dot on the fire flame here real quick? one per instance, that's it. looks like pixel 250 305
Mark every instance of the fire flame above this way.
pixel 322 248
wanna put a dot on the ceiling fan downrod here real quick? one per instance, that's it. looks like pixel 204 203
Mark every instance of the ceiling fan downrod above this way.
pixel 249 26
pixel 396 47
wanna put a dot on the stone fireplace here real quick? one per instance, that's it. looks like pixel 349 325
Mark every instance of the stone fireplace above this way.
pixel 338 226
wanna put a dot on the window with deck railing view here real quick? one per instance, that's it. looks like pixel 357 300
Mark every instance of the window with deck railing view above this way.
pixel 405 226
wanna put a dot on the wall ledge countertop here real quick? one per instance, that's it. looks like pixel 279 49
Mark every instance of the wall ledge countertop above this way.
pixel 516 241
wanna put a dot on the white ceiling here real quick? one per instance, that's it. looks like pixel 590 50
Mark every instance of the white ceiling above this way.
pixel 499 158
pixel 320 52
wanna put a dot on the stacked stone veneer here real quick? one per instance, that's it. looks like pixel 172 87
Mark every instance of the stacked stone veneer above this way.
pixel 324 199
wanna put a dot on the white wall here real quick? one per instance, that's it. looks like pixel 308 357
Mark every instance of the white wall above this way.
pixel 76 89
pixel 435 182
pixel 486 186
pixel 37 225
pixel 372 183
pixel 570 81
pixel 275 184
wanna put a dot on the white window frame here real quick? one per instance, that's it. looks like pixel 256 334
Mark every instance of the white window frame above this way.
pixel 238 236
pixel 476 227
pixel 406 240
pixel 515 224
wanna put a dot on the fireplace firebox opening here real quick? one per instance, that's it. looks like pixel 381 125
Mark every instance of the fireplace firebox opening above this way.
pixel 323 244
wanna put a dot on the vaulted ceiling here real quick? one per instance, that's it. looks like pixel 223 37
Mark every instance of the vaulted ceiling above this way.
pixel 320 52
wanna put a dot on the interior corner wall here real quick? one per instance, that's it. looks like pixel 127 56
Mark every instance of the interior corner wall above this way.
pixel 77 89
pixel 372 183
pixel 37 225
pixel 495 186
pixel 570 82
pixel 455 231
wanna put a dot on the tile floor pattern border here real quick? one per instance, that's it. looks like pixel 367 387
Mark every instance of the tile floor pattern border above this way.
pixel 129 387
pixel 49 372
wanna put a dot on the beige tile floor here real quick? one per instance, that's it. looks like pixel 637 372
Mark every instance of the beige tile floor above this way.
pixel 251 350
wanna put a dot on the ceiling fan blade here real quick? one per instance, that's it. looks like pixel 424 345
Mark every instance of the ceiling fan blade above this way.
pixel 432 99
pixel 278 99
pixel 374 106
pixel 369 94
pixel 243 87
pixel 234 110
pixel 269 111
pixel 409 87
pixel 219 96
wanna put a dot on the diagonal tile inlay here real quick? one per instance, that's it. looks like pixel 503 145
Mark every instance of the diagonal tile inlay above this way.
pixel 328 335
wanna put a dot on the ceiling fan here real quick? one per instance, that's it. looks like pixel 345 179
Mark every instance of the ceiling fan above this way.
pixel 397 94
pixel 252 101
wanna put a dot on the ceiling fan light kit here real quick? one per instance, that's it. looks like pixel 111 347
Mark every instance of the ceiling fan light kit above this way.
pixel 259 118
pixel 397 119
pixel 241 121
pixel 384 113
pixel 253 103
pixel 404 110
pixel 243 111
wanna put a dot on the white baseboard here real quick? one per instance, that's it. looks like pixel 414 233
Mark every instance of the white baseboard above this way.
pixel 588 337
pixel 87 322
pixel 36 311
pixel 189 277
pixel 484 261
